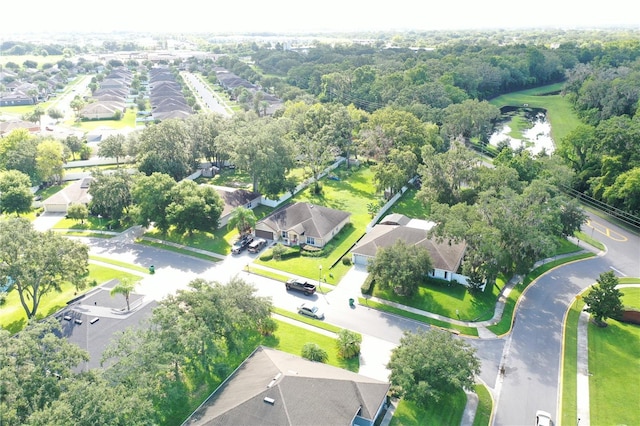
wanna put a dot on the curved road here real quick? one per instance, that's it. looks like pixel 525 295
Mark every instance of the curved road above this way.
pixel 532 354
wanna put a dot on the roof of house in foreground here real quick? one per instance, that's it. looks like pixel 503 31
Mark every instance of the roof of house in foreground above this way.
pixel 277 388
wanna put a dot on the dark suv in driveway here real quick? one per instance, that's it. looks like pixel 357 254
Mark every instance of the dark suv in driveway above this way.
pixel 241 244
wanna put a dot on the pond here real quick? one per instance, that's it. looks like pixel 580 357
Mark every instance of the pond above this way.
pixel 524 127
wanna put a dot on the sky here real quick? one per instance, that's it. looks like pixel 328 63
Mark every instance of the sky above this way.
pixel 282 16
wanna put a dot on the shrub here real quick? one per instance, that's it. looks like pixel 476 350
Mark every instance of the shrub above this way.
pixel 367 285
pixel 346 261
pixel 267 326
pixel 313 352
pixel 3 297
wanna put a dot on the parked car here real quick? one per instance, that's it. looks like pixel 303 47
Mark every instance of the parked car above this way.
pixel 241 244
pixel 311 311
pixel 543 418
pixel 301 285
pixel 257 245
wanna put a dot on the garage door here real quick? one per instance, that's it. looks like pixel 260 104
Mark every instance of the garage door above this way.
pixel 359 259
pixel 267 235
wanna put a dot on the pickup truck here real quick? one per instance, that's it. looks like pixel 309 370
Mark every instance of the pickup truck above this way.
pixel 301 285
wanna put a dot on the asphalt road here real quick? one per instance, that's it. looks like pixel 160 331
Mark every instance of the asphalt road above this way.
pixel 211 102
pixel 532 353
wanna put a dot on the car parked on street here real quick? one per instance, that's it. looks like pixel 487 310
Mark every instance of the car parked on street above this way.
pixel 543 418
pixel 311 311
pixel 300 285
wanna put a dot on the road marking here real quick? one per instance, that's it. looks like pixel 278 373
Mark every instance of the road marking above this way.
pixel 618 271
pixel 607 232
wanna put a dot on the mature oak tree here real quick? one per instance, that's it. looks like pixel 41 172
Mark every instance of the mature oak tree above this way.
pixel 429 364
pixel 401 267
pixel 15 192
pixel 194 207
pixel 39 262
pixel 150 196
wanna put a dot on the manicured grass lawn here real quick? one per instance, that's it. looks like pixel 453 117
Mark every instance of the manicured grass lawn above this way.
pixel 569 407
pixel 614 352
pixel 467 331
pixel 504 325
pixel 409 206
pixel 447 412
pixel 119 263
pixel 291 339
pixel 351 193
pixel 485 406
pixel 128 120
pixel 452 301
pixel 90 223
pixel 559 112
pixel 178 250
pixel 13 317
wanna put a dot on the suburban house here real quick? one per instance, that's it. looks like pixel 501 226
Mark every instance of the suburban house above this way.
pixel 102 110
pixel 75 193
pixel 302 223
pixel 446 256
pixel 233 198
pixel 7 127
pixel 276 388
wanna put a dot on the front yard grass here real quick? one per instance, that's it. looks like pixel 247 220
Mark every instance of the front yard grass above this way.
pixel 449 300
pixel 12 315
pixel 447 412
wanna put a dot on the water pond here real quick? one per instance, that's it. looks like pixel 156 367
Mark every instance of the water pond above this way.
pixel 524 127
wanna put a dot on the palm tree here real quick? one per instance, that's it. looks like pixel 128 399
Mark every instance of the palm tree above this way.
pixel 243 219
pixel 124 287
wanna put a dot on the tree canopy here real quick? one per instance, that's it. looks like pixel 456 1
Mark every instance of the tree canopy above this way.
pixel 429 364
pixel 603 299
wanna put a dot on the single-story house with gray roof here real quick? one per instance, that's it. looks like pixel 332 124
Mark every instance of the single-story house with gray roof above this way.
pixel 446 256
pixel 275 388
pixel 302 223
pixel 76 192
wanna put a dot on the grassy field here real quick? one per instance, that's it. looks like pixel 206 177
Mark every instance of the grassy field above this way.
pixel 128 120
pixel 559 112
pixel 409 206
pixel 485 406
pixel 20 59
pixel 13 317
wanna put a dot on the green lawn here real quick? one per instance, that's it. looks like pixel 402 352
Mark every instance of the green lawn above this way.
pixel 409 206
pixel 467 331
pixel 447 412
pixel 51 190
pixel 568 408
pixel 452 301
pixel 290 338
pixel 614 354
pixel 13 317
pixel 485 406
pixel 128 120
pixel 559 112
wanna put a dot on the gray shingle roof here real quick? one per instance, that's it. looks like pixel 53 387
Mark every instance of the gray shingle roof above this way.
pixel 305 218
pixel 303 393
pixel 445 255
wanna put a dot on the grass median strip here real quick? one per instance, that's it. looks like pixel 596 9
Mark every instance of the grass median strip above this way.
pixel 467 331
pixel 179 250
pixel 310 321
pixel 119 263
